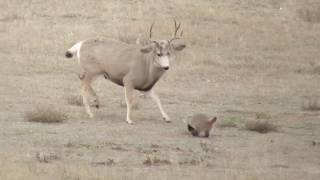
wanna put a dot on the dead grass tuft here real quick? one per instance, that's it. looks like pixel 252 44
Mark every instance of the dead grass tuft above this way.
pixel 204 147
pixel 108 162
pixel 261 126
pixel 11 18
pixel 44 157
pixel 262 115
pixel 311 104
pixel 46 114
pixel 190 162
pixel 75 100
pixel 313 69
pixel 156 161
pixel 148 161
pixel 310 13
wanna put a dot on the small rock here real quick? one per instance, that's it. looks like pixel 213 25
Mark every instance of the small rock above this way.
pixel 314 143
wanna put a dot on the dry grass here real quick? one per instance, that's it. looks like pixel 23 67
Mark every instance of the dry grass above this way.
pixel 311 104
pixel 190 162
pixel 313 69
pixel 262 115
pixel 45 157
pixel 11 18
pixel 310 12
pixel 45 114
pixel 261 126
pixel 226 124
pixel 108 162
pixel 135 104
pixel 156 161
pixel 75 100
pixel 126 38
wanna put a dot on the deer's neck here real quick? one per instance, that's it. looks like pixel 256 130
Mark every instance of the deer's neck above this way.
pixel 154 74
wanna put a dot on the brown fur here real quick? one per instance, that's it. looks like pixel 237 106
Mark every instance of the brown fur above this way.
pixel 201 124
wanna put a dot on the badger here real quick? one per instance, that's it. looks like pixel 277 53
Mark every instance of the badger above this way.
pixel 201 125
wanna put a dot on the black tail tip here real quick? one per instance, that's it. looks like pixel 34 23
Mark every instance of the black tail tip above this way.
pixel 69 54
pixel 190 128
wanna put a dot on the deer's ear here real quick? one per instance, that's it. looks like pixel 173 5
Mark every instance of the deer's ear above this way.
pixel 213 120
pixel 178 46
pixel 147 48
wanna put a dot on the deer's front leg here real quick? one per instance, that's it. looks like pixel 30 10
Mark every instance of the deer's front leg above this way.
pixel 128 91
pixel 156 99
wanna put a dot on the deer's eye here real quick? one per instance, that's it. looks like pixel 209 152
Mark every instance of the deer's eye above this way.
pixel 159 54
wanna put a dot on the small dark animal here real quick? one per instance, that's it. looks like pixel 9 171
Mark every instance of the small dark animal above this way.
pixel 201 125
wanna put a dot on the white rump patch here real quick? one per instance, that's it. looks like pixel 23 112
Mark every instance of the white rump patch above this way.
pixel 76 49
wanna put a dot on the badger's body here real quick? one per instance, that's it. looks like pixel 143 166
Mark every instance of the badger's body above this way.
pixel 201 125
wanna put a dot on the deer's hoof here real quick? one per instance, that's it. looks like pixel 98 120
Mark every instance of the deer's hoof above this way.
pixel 129 121
pixel 166 118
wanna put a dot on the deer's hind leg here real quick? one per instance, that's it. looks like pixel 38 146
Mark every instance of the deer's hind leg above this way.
pixel 95 97
pixel 86 81
pixel 91 91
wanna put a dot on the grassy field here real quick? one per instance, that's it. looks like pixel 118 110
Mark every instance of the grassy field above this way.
pixel 253 64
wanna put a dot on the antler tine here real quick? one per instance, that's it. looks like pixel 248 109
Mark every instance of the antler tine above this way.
pixel 150 30
pixel 176 29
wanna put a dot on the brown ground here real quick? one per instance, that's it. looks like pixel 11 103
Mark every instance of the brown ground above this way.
pixel 245 59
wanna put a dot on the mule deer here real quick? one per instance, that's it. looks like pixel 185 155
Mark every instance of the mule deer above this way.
pixel 133 66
